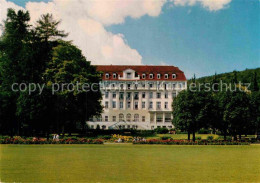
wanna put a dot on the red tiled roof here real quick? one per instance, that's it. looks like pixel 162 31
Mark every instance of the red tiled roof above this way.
pixel 143 69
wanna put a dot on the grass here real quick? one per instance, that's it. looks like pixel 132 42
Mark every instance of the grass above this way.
pixel 129 163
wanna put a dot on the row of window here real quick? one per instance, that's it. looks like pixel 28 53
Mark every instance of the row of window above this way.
pixel 151 85
pixel 128 105
pixel 103 127
pixel 136 95
pixel 135 119
pixel 151 76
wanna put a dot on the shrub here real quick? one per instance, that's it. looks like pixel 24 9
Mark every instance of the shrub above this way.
pixel 162 130
pixel 209 138
pixel 165 138
pixel 203 131
pixel 198 138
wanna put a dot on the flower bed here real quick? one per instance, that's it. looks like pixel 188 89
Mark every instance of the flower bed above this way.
pixel 187 142
pixel 73 140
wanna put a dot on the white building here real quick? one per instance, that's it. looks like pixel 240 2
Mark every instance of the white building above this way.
pixel 138 97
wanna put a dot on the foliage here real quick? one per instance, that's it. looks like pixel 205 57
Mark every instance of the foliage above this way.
pixel 188 142
pixel 161 130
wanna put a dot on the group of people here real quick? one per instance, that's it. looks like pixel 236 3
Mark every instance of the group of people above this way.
pixel 138 139
pixel 55 137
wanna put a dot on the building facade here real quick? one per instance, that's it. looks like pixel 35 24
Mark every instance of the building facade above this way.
pixel 138 97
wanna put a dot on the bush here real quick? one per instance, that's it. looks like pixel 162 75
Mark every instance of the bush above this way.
pixel 204 131
pixel 162 130
pixel 188 142
pixel 209 138
pixel 198 138
pixel 165 138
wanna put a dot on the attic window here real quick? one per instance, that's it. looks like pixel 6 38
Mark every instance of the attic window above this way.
pixel 158 76
pixel 114 75
pixel 107 76
pixel 151 76
pixel 166 76
pixel 173 76
pixel 143 76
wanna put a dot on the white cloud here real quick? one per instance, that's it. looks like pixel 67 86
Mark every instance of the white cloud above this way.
pixel 212 5
pixel 85 21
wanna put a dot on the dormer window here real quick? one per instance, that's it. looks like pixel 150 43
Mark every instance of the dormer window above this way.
pixel 158 76
pixel 143 76
pixel 114 76
pixel 173 76
pixel 107 76
pixel 151 76
pixel 166 76
pixel 129 75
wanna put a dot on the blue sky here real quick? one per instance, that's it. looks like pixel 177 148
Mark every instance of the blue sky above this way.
pixel 195 39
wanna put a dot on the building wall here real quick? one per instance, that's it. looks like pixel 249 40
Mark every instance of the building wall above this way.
pixel 111 90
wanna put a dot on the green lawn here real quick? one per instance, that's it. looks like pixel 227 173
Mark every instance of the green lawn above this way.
pixel 129 163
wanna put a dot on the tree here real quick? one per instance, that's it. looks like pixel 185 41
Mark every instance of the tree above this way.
pixel 13 55
pixel 69 66
pixel 254 83
pixel 46 29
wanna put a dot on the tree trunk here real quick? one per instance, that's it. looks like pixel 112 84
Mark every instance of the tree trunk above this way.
pixel 193 136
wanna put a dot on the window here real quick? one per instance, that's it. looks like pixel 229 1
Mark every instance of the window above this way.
pixel 151 85
pixel 114 118
pixel 166 76
pixel 128 75
pixel 106 118
pixel 121 105
pixel 151 95
pixel 167 118
pixel 107 76
pixel 136 117
pixel 158 95
pixel 103 127
pixel 114 95
pixel 128 126
pixel 174 94
pixel 143 118
pixel 114 75
pixel 121 95
pixel 150 105
pixel 143 76
pixel 114 104
pixel 180 85
pixel 136 86
pixel 99 118
pixel 106 104
pixel 128 86
pixel 173 85
pixel 166 105
pixel 158 76
pixel 158 105
pixel 121 117
pixel 121 86
pixel 143 95
pixel 128 117
pixel 151 76
pixel 128 104
pixel 136 105
pixel 166 95
pixel 173 76
pixel 165 86
pixel 136 95
pixel 106 95
pixel 128 95
pixel 159 118
pixel 143 105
